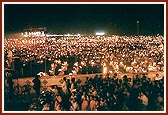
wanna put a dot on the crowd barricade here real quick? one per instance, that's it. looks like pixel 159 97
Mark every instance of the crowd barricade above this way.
pixel 25 85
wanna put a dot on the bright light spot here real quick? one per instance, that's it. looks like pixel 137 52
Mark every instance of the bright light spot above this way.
pixel 76 64
pixel 53 39
pixel 110 72
pixel 100 33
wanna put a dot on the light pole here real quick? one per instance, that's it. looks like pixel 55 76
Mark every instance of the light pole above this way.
pixel 87 67
pixel 92 64
pixel 92 69
pixel 137 27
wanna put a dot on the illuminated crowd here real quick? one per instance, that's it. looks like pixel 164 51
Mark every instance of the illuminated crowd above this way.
pixel 88 54
pixel 110 55
pixel 103 94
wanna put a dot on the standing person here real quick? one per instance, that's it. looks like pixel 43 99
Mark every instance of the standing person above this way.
pixel 157 77
pixel 74 105
pixel 10 82
pixel 65 91
pixel 9 56
pixel 73 85
pixel 36 85
pixel 143 99
pixel 93 103
pixel 85 104
pixel 65 87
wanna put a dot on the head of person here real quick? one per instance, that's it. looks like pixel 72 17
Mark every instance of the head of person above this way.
pixel 64 78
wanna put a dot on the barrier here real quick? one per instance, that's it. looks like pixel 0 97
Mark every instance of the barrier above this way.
pixel 47 81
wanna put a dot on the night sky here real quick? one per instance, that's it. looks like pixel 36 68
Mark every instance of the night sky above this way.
pixel 85 18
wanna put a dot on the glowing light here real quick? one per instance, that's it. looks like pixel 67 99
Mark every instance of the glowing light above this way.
pixel 110 72
pixel 100 33
pixel 76 64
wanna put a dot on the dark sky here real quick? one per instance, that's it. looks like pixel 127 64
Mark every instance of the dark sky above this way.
pixel 85 18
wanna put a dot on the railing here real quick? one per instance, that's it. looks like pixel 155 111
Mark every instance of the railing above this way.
pixel 24 86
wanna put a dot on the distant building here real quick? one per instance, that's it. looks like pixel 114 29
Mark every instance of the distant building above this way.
pixel 34 32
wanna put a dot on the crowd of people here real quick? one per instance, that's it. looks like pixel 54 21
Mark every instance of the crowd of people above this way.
pixel 104 94
pixel 85 54
pixel 63 55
